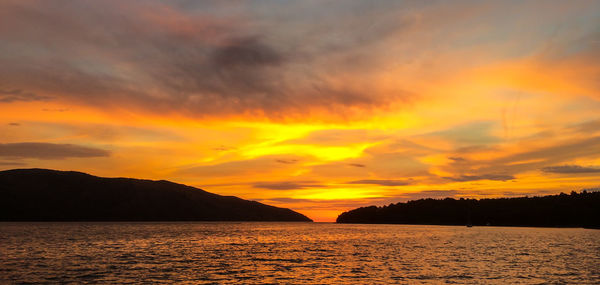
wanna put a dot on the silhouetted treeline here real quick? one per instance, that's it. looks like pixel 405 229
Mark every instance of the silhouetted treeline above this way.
pixel 49 195
pixel 574 210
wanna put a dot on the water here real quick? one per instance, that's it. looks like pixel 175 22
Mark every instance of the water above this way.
pixel 309 253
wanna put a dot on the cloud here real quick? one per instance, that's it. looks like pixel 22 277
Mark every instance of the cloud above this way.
pixel 457 194
pixel 524 161
pixel 571 169
pixel 13 95
pixel 587 147
pixel 587 127
pixel 378 161
pixel 355 203
pixel 106 132
pixel 286 161
pixel 497 177
pixel 382 182
pixel 471 134
pixel 60 110
pixel 339 137
pixel 14 124
pixel 11 163
pixel 457 159
pixel 290 200
pixel 198 59
pixel 276 59
pixel 49 151
pixel 263 165
pixel 245 52
pixel 287 185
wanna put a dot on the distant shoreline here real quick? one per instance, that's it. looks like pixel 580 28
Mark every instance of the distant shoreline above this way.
pixel 539 227
pixel 577 210
pixel 278 222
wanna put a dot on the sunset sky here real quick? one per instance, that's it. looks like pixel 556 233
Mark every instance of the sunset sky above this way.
pixel 319 106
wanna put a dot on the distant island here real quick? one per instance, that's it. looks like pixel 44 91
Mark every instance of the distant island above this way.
pixel 50 195
pixel 574 210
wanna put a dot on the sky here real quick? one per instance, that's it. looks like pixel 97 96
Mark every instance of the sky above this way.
pixel 318 106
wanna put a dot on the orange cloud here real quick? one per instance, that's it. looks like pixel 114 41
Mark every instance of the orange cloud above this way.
pixel 322 113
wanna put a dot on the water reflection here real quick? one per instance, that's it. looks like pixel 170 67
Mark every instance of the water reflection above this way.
pixel 294 253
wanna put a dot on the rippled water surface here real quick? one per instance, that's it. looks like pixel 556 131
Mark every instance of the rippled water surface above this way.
pixel 313 253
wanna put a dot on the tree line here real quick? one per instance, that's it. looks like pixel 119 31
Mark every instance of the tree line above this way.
pixel 562 210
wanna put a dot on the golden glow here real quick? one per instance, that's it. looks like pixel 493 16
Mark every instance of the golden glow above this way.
pixel 426 106
pixel 341 193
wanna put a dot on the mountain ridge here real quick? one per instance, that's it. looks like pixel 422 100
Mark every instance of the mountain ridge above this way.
pixel 37 194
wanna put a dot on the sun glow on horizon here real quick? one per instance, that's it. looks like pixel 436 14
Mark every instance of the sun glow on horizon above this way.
pixel 320 114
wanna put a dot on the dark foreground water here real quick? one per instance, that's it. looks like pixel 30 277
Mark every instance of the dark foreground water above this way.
pixel 313 253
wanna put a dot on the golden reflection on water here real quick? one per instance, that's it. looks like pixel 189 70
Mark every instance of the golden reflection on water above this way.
pixel 308 253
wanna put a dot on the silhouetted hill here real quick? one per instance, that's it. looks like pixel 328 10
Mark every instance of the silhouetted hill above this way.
pixel 49 195
pixel 575 210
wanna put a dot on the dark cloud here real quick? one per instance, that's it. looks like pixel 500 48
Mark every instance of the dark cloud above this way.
pixel 14 124
pixel 586 127
pixel 497 177
pixel 245 52
pixel 236 74
pixel 357 164
pixel 49 151
pixel 457 159
pixel 286 185
pixel 289 200
pixel 566 151
pixel 107 132
pixel 55 110
pixel 513 164
pixel 13 95
pixel 198 59
pixel 286 161
pixel 382 182
pixel 571 169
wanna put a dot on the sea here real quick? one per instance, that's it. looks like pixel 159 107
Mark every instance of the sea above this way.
pixel 294 253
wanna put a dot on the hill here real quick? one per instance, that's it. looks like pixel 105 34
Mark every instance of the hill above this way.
pixel 50 195
pixel 574 210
